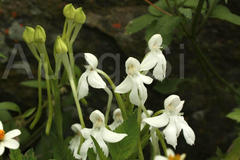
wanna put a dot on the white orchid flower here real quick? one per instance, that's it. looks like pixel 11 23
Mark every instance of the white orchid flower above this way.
pixel 100 133
pixel 118 119
pixel 144 116
pixel 90 77
pixel 174 122
pixel 155 58
pixel 170 156
pixel 74 144
pixel 7 140
pixel 134 82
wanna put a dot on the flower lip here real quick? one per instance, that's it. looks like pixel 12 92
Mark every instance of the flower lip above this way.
pixel 132 66
pixel 97 118
pixel 2 134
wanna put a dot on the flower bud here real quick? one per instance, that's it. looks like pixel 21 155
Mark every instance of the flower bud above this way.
pixel 69 11
pixel 59 46
pixel 80 16
pixel 28 34
pixel 39 35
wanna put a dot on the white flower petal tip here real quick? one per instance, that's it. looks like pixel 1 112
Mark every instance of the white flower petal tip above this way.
pixel 91 60
pixel 12 134
pixel 76 127
pixel 158 157
pixel 125 86
pixel 112 137
pixel 155 42
pixel 82 88
pixel 158 121
pixel 95 80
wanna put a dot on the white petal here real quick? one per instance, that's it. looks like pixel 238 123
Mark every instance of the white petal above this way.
pixel 103 146
pixel 76 128
pixel 160 158
pixel 149 61
pixel 173 100
pixel 170 133
pixel 74 145
pixel 188 133
pixel 180 106
pixel 1 125
pixel 155 41
pixel 112 137
pixel 84 148
pixel 114 125
pixel 170 152
pixel 2 149
pixel 158 121
pixel 134 97
pixel 150 112
pixel 86 132
pixel 82 88
pixel 95 115
pixel 11 144
pixel 146 79
pixel 159 72
pixel 125 86
pixel 91 60
pixel 142 90
pixel 12 134
pixel 95 80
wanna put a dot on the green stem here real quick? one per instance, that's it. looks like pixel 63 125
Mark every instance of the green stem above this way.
pixel 196 17
pixel 39 110
pixel 140 151
pixel 72 60
pixel 58 117
pixel 75 33
pixel 73 86
pixel 50 106
pixel 156 149
pixel 109 104
pixel 118 96
pixel 161 138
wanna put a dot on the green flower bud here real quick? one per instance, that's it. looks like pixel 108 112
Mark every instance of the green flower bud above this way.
pixel 59 46
pixel 28 34
pixel 80 16
pixel 69 11
pixel 39 35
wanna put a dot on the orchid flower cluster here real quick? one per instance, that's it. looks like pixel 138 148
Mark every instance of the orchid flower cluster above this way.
pixel 168 124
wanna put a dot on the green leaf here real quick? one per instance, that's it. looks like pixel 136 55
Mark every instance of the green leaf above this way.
pixel 29 155
pixel 91 154
pixel 139 23
pixel 33 84
pixel 168 86
pixel 15 155
pixel 126 147
pixel 5 115
pixel 165 26
pixel 186 12
pixel 161 4
pixel 10 106
pixel 233 153
pixel 235 115
pixel 99 150
pixel 223 13
pixel 2 55
pixel 29 112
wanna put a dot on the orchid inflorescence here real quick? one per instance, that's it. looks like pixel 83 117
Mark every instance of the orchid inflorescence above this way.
pixel 171 121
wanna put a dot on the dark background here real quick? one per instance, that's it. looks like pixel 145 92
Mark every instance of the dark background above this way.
pixel 207 100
